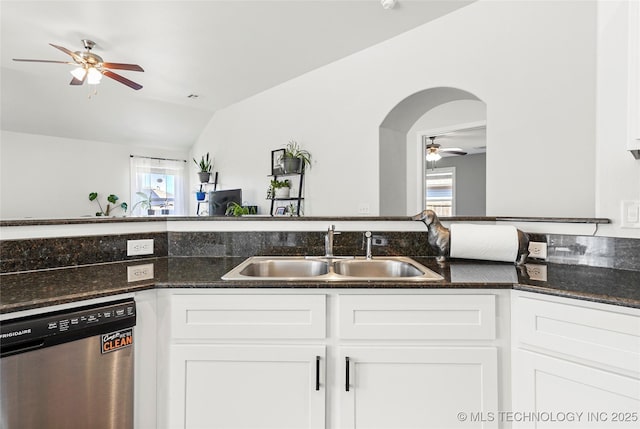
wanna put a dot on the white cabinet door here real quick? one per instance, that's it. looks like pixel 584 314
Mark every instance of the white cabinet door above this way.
pixel 237 386
pixel 556 393
pixel 417 387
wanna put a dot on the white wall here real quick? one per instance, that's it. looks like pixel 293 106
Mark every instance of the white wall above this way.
pixel 532 62
pixel 617 172
pixel 49 177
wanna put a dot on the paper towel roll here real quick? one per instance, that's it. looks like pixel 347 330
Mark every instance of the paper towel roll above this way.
pixel 487 242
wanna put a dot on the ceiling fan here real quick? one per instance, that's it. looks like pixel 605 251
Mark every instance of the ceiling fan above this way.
pixel 91 67
pixel 434 151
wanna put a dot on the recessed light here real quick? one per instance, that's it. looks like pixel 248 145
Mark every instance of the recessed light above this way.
pixel 388 4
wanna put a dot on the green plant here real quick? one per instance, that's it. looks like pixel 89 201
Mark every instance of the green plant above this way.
pixel 144 203
pixel 276 184
pixel 93 196
pixel 293 150
pixel 235 209
pixel 205 164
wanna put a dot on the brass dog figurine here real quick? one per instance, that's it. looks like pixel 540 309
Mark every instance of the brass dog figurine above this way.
pixel 439 237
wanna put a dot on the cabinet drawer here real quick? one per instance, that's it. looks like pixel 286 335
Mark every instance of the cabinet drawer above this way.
pixel 607 337
pixel 248 316
pixel 419 317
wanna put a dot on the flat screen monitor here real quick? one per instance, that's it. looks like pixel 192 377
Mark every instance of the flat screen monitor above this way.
pixel 219 200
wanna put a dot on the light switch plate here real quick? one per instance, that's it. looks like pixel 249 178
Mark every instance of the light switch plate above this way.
pixel 140 247
pixel 135 273
pixel 630 214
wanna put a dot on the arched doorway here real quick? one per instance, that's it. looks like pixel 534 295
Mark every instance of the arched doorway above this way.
pixel 401 155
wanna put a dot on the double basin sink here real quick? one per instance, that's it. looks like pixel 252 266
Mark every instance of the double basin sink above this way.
pixel 305 268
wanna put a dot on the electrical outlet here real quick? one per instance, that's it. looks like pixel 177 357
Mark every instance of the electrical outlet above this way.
pixel 140 247
pixel 136 273
pixel 537 272
pixel 363 208
pixel 379 240
pixel 538 250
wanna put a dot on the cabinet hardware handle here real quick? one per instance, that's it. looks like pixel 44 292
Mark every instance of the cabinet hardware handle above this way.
pixel 317 372
pixel 346 376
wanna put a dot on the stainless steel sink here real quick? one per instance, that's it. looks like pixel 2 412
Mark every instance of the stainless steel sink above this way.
pixel 377 268
pixel 300 268
pixel 297 268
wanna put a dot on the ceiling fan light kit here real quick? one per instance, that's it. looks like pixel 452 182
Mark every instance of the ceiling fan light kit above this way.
pixel 434 151
pixel 92 67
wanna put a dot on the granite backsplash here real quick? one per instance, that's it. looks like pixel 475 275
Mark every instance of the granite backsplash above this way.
pixel 48 253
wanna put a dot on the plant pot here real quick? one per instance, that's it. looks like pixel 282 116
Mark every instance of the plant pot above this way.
pixel 200 196
pixel 164 211
pixel 291 165
pixel 204 176
pixel 282 192
pixel 151 212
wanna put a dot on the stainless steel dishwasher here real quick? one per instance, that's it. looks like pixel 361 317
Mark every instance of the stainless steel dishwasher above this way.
pixel 69 369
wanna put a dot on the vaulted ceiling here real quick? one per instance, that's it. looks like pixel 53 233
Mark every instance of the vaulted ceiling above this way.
pixel 222 51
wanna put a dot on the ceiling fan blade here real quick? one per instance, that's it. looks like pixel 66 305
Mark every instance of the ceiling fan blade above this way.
pixel 453 152
pixel 77 58
pixel 451 149
pixel 120 66
pixel 43 61
pixel 121 79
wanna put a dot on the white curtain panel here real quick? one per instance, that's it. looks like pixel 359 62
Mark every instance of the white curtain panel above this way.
pixel 163 180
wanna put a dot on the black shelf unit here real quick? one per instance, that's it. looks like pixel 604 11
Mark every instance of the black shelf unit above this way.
pixel 202 189
pixel 298 199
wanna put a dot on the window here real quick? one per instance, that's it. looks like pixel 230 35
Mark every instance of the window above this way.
pixel 440 190
pixel 162 181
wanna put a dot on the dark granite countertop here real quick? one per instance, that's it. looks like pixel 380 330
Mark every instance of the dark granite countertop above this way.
pixel 29 290
pixel 136 219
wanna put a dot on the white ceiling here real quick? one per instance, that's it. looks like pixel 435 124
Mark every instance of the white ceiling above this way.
pixel 224 51
pixel 470 140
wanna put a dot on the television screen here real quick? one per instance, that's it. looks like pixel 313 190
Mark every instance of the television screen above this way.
pixel 219 200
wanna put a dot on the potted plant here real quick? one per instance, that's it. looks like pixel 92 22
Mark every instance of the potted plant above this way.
pixel 235 209
pixel 205 165
pixel 164 208
pixel 144 203
pixel 295 158
pixel 111 199
pixel 280 188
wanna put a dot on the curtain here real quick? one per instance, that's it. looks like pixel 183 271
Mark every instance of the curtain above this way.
pixel 163 184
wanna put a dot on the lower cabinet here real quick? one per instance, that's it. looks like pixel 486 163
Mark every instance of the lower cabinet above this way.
pixel 241 386
pixel 417 387
pixel 328 359
pixel 575 364
pixel 552 392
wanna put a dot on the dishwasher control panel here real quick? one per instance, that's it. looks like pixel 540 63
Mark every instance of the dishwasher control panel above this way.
pixel 82 321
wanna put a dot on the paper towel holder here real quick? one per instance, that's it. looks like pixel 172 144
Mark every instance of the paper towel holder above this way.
pixel 439 237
